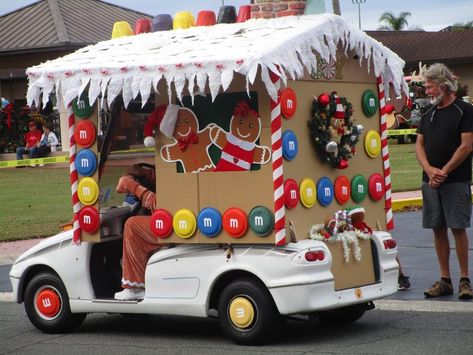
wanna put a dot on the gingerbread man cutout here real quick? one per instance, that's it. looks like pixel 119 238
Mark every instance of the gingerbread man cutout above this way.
pixel 190 145
pixel 239 149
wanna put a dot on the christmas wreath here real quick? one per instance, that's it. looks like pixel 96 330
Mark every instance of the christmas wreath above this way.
pixel 333 129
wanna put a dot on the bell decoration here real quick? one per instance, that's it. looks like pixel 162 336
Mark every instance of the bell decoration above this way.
pixel 331 147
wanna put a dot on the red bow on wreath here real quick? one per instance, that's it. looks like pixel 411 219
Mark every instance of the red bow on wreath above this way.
pixel 191 138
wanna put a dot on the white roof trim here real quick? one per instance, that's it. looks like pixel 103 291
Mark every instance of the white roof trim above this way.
pixel 136 64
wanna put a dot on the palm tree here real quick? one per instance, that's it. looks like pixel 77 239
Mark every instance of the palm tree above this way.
pixel 460 26
pixel 394 23
pixel 336 7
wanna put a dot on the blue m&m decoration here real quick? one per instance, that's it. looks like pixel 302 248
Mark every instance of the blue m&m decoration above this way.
pixel 209 222
pixel 325 191
pixel 86 162
pixel 290 146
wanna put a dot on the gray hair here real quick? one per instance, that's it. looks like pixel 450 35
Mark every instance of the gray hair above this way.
pixel 440 74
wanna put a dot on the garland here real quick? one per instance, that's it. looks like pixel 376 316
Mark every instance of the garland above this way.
pixel 347 238
pixel 333 129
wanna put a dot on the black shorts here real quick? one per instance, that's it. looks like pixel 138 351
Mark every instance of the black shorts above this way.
pixel 448 206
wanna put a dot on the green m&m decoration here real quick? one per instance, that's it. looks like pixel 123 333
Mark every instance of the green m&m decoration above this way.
pixel 81 106
pixel 261 221
pixel 359 188
pixel 369 102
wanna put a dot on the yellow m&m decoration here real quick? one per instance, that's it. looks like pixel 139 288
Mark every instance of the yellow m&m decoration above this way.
pixel 307 192
pixel 88 191
pixel 372 143
pixel 184 223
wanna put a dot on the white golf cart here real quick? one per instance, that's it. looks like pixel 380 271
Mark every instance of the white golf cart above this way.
pixel 250 279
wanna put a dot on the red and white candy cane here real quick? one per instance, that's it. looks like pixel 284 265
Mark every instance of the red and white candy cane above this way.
pixel 74 177
pixel 277 160
pixel 385 154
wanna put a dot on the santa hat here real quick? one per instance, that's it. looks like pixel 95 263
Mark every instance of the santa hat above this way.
pixel 165 117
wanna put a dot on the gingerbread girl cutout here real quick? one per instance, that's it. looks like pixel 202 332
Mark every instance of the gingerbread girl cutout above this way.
pixel 190 145
pixel 239 149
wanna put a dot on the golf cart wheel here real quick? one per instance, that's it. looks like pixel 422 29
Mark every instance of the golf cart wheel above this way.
pixel 47 305
pixel 247 313
pixel 342 316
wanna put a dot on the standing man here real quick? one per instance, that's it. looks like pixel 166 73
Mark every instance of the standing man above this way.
pixel 443 148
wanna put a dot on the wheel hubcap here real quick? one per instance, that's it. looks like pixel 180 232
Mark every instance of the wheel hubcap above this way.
pixel 48 302
pixel 242 312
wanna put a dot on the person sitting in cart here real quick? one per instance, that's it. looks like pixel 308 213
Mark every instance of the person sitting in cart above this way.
pixel 139 242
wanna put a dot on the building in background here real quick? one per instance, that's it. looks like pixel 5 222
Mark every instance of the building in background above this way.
pixel 48 29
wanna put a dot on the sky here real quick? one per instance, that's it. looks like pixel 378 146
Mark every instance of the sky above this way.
pixel 430 15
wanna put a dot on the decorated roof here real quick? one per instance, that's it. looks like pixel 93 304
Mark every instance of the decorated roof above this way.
pixel 200 56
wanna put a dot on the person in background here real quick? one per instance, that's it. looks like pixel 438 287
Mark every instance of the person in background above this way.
pixel 443 148
pixel 403 283
pixel 32 139
pixel 47 144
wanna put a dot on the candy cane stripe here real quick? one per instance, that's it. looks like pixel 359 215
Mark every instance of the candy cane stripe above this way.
pixel 73 176
pixel 385 154
pixel 276 144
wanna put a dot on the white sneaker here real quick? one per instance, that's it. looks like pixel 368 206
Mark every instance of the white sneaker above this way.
pixel 130 294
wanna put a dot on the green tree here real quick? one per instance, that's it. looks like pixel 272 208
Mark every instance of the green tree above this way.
pixel 393 23
pixel 461 26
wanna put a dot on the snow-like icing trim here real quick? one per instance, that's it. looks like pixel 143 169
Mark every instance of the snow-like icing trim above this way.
pixel 133 283
pixel 194 58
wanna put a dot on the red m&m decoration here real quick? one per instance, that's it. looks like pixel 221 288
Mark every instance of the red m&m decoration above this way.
pixel 376 187
pixel 235 222
pixel 85 133
pixel 48 302
pixel 342 189
pixel 291 193
pixel 161 223
pixel 89 219
pixel 288 102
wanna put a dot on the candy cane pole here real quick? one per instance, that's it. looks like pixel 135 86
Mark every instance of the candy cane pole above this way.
pixel 385 154
pixel 74 177
pixel 276 148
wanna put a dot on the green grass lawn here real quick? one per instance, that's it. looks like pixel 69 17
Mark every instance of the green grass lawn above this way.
pixel 35 202
pixel 406 173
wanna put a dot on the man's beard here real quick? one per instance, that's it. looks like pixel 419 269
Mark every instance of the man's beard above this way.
pixel 437 100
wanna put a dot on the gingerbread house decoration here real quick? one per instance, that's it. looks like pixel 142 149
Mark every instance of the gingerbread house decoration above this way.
pixel 268 126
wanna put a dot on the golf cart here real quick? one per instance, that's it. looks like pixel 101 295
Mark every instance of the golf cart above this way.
pixel 297 226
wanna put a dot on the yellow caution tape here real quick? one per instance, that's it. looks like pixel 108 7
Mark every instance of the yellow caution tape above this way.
pixel 401 132
pixel 137 150
pixel 62 159
pixel 25 162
